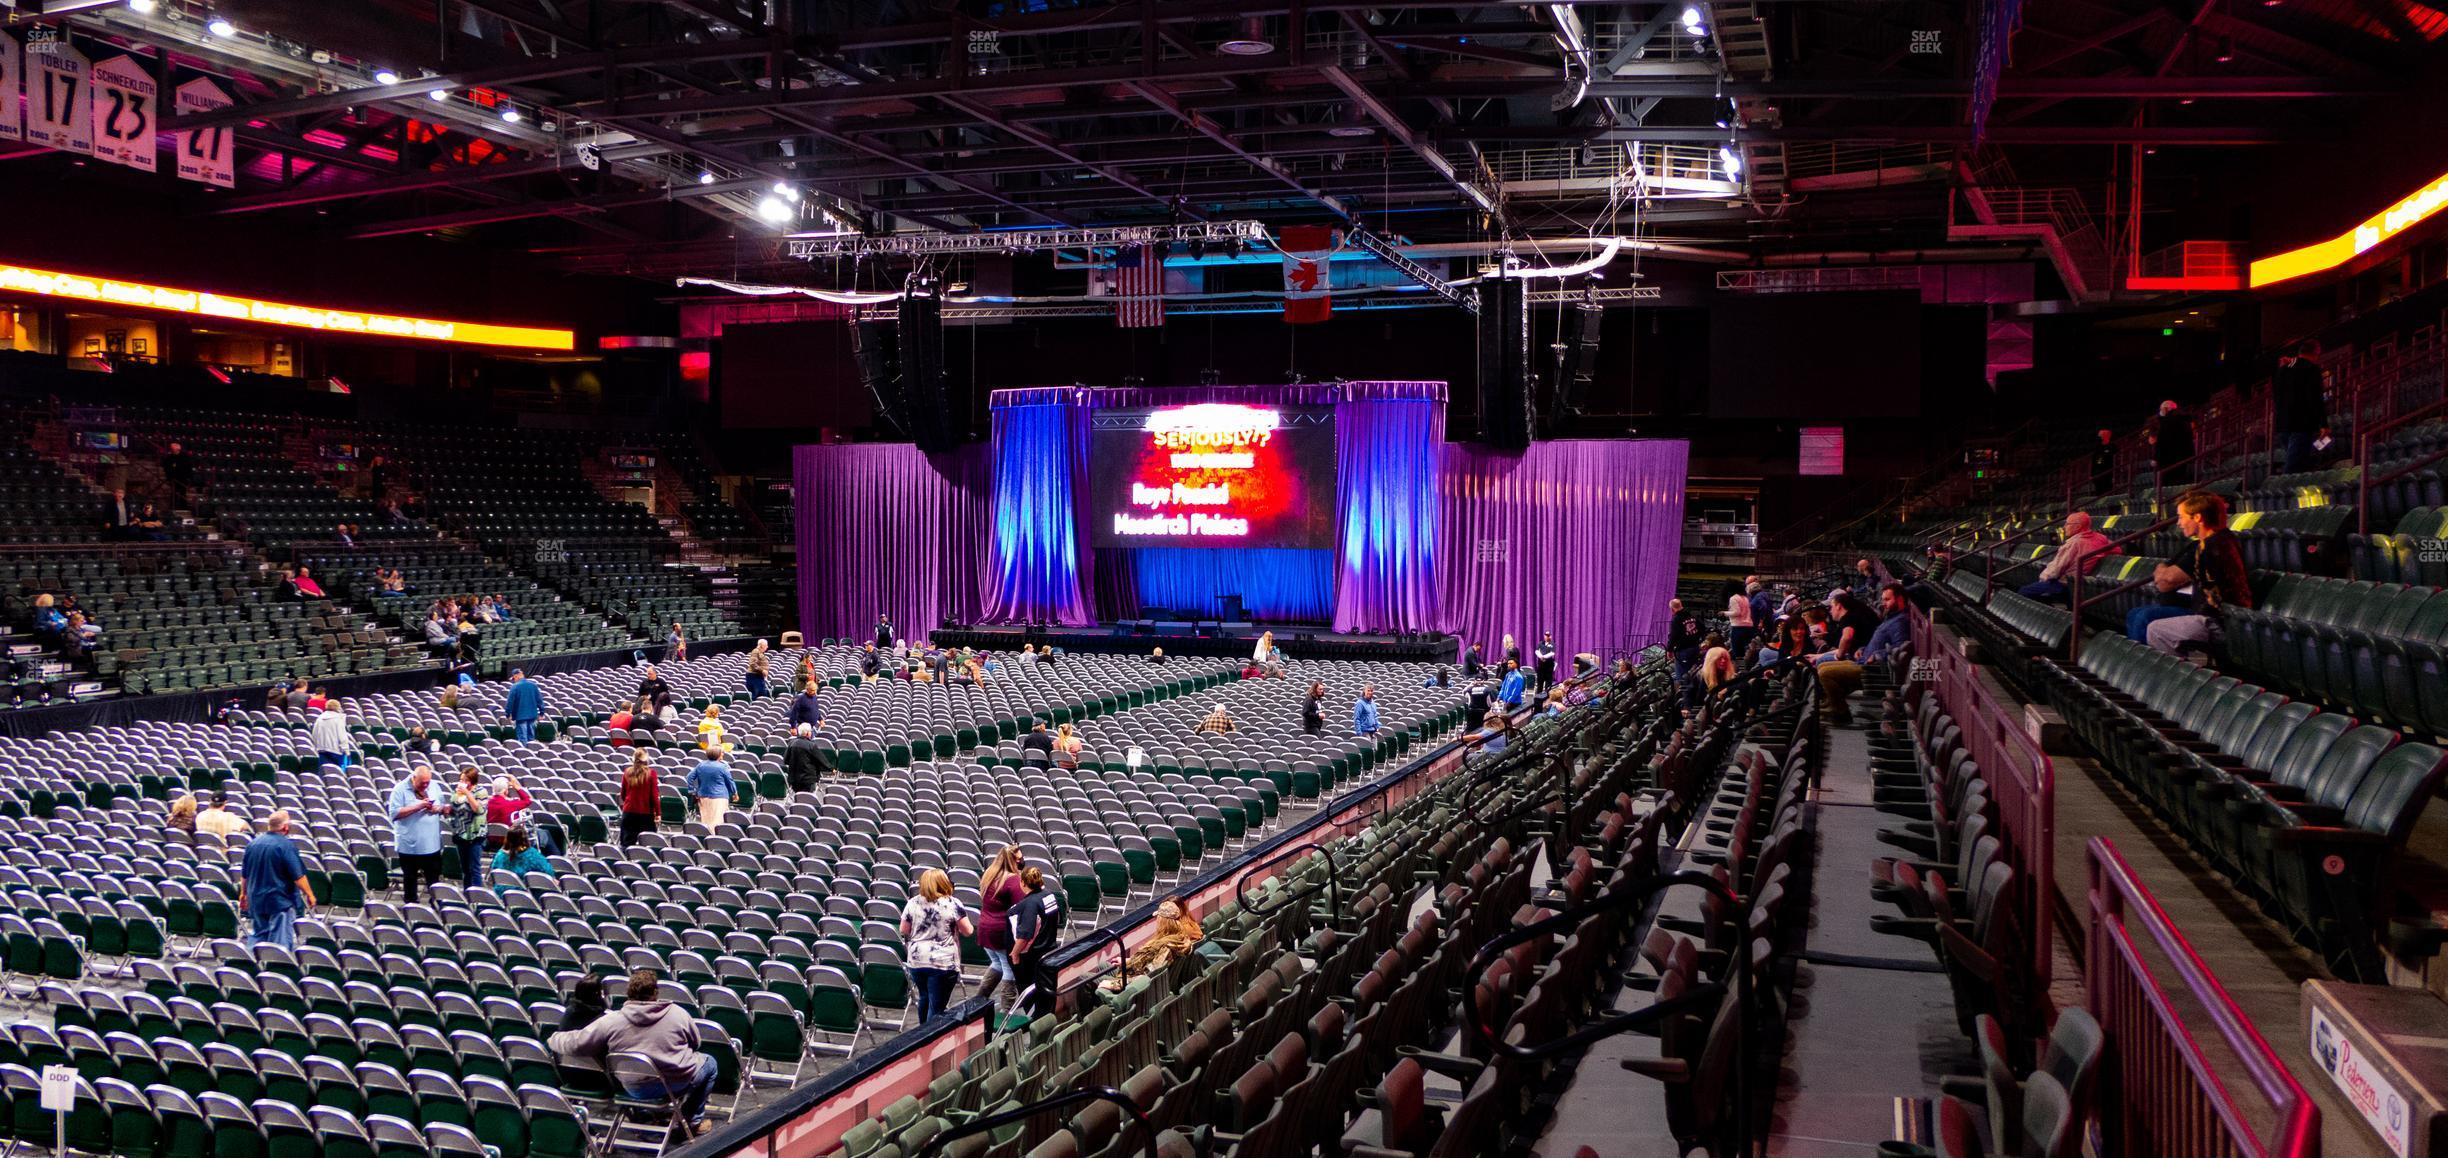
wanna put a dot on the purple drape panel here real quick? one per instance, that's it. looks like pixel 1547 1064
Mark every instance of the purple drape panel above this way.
pixel 1389 442
pixel 883 527
pixel 1579 538
pixel 1038 558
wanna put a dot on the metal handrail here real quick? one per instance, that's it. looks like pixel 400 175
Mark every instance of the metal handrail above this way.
pixel 2074 633
pixel 2364 439
pixel 1147 1125
pixel 1989 582
pixel 2159 474
pixel 1479 1035
pixel 1333 888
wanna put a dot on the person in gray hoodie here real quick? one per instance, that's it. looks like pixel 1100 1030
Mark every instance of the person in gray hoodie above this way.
pixel 663 1032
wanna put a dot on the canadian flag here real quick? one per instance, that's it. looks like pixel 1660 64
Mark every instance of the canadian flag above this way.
pixel 1308 275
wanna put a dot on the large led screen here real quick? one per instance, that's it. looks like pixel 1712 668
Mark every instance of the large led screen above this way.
pixel 1213 475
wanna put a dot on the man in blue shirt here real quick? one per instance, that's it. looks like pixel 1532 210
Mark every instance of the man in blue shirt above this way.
pixel 272 886
pixel 1364 711
pixel 710 783
pixel 1839 678
pixel 417 805
pixel 1510 691
pixel 525 703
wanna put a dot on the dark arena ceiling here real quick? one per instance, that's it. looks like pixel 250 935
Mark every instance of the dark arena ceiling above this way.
pixel 649 137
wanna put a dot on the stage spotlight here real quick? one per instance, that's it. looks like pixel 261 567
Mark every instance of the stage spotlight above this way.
pixel 385 76
pixel 219 25
pixel 1691 21
pixel 1733 162
pixel 440 94
pixel 705 178
pixel 774 210
pixel 509 115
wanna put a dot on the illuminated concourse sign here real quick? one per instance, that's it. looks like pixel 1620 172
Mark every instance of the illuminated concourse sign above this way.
pixel 204 304
pixel 2413 210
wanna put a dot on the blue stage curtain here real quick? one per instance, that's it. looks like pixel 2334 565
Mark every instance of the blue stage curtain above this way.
pixel 1389 444
pixel 886 528
pixel 1040 471
pixel 1581 538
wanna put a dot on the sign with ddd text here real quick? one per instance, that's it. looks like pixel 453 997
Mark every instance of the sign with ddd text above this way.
pixel 1213 475
pixel 124 120
pixel 209 154
pixel 201 303
pixel 59 107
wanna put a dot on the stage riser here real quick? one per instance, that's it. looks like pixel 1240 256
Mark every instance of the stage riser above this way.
pixel 1179 638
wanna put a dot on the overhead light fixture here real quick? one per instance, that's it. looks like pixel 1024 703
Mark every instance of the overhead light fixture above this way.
pixel 705 178
pixel 385 76
pixel 1351 124
pixel 440 94
pixel 1691 21
pixel 775 211
pixel 1732 159
pixel 510 114
pixel 141 7
pixel 219 25
pixel 1250 40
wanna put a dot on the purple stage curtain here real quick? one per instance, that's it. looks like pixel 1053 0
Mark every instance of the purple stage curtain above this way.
pixel 1581 538
pixel 1389 439
pixel 883 527
pixel 1037 560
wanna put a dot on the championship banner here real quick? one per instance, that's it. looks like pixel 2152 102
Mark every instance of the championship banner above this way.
pixel 1308 275
pixel 125 115
pixel 59 112
pixel 209 155
pixel 12 72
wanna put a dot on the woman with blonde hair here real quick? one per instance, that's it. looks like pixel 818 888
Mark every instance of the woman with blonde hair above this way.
pixel 999 888
pixel 183 814
pixel 1067 745
pixel 1176 932
pixel 710 729
pixel 932 924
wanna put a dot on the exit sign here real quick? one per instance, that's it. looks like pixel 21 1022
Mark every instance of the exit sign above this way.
pixel 1822 450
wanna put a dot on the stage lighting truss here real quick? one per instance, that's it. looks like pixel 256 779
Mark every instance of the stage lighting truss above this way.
pixel 925 244
pixel 1354 302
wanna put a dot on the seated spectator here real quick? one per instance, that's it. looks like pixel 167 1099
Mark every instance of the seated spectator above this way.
pixel 643 718
pixel 183 815
pixel 710 728
pixel 441 635
pixel 1839 676
pixel 2197 584
pixel 147 524
pixel 586 1003
pixel 218 820
pixel 48 618
pixel 519 856
pixel 1067 745
pixel 1177 932
pixel 1494 735
pixel 1037 747
pixel 341 532
pixel 1156 656
pixel 664 1033
pixel 620 722
pixel 318 699
pixel 2081 554
pixel 501 609
pixel 1218 722
pixel 511 805
pixel 419 743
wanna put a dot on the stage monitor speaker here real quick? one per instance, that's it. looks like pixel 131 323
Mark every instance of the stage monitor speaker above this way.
pixel 1236 627
pixel 1505 417
pixel 1207 629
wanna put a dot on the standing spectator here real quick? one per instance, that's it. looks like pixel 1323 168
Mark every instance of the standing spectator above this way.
pixel 272 885
pixel 218 820
pixel 524 703
pixel 417 808
pixel 2172 444
pixel 884 631
pixel 2103 463
pixel 1682 639
pixel 2080 555
pixel 1512 650
pixel 758 658
pixel 641 798
pixel 661 1031
pixel 178 470
pixel 519 857
pixel 318 699
pixel 871 664
pixel 1037 928
pixel 675 645
pixel 1740 627
pixel 710 783
pixel 1364 711
pixel 470 812
pixel 1509 691
pixel 2298 405
pixel 1037 747
pixel 652 688
pixel 1545 655
pixel 2326 449
pixel 803 759
pixel 643 721
pixel 1313 708
pixel 932 924
pixel 1763 604
pixel 999 889
pixel 332 741
pixel 378 479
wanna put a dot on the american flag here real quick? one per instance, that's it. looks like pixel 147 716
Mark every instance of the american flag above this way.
pixel 1139 286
